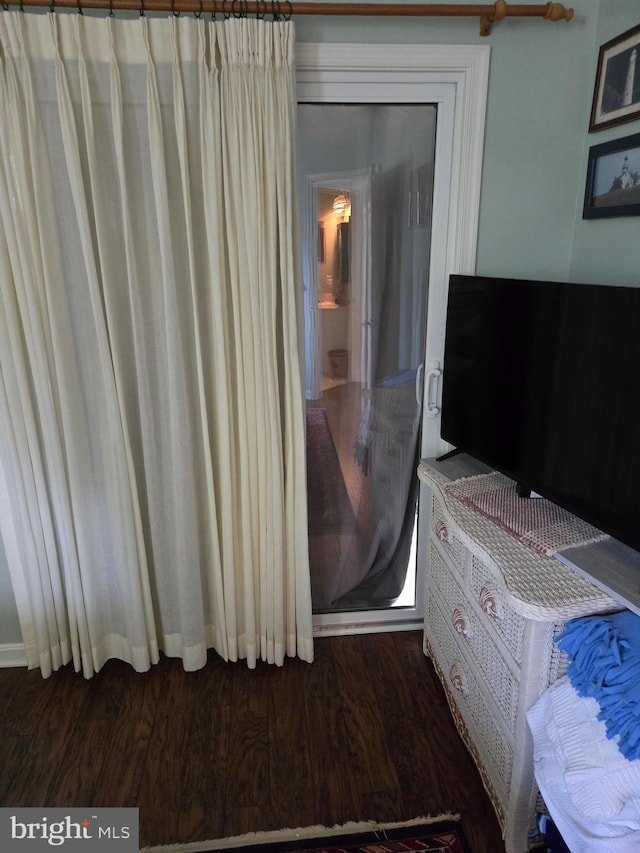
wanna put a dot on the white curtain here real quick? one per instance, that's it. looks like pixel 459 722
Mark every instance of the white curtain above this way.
pixel 151 404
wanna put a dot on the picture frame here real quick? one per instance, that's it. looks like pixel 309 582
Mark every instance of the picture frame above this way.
pixel 613 179
pixel 616 94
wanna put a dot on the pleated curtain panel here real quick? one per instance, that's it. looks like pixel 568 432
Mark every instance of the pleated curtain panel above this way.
pixel 151 401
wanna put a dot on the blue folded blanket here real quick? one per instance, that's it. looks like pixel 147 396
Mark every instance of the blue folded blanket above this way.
pixel 604 663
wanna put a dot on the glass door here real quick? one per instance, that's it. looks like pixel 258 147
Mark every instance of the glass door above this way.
pixel 366 178
pixel 453 79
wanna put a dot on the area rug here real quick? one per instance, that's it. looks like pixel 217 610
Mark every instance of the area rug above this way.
pixel 434 835
pixel 329 506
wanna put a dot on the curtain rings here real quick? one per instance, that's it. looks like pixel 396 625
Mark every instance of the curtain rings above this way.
pixel 198 15
pixel 80 12
pixel 142 8
pixel 278 14
pixel 261 9
pixel 173 9
pixel 111 12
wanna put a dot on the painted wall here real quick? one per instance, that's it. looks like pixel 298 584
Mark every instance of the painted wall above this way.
pixel 606 250
pixel 536 121
pixel 537 139
pixel 537 117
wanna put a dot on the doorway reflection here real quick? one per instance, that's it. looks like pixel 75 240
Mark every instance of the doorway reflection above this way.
pixel 366 179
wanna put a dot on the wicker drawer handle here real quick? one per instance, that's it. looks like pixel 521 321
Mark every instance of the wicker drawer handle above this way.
pixel 457 679
pixel 460 622
pixel 490 602
pixel 442 532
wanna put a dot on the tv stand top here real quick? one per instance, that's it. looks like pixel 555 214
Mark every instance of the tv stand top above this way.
pixel 542 587
pixel 611 566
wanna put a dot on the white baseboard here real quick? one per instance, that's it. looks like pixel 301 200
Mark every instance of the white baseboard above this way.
pixel 12 654
pixel 336 629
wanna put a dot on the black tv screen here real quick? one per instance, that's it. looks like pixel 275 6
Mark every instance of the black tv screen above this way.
pixel 541 381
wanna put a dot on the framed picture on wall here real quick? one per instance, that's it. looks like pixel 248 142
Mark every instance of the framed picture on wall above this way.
pixel 616 95
pixel 613 179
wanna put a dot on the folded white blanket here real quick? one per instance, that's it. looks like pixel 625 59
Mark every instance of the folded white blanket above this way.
pixel 595 790
pixel 604 663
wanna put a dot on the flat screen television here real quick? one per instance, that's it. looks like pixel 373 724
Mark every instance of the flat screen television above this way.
pixel 541 381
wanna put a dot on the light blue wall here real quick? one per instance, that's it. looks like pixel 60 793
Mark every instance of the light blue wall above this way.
pixel 536 144
pixel 536 121
pixel 537 118
pixel 607 250
pixel 540 90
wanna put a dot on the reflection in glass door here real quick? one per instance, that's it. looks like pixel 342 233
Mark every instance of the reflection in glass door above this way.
pixel 366 176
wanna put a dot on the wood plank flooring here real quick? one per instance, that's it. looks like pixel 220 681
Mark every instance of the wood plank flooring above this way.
pixel 362 733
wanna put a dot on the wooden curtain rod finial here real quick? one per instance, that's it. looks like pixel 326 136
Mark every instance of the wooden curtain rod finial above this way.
pixel 557 12
pixel 500 10
pixel 550 12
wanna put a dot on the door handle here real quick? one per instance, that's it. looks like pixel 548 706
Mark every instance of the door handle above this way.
pixel 431 381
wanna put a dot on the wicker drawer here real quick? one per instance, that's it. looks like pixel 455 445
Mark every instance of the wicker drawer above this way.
pixel 444 531
pixel 487 591
pixel 490 742
pixel 487 656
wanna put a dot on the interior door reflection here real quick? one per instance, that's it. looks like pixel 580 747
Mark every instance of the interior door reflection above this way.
pixel 365 192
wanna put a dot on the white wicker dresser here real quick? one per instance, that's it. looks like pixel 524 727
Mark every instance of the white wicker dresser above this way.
pixel 492 610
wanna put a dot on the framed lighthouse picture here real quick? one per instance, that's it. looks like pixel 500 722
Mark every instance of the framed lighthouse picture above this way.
pixel 616 95
pixel 613 179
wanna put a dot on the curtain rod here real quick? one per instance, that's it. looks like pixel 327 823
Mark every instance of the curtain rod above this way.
pixel 489 13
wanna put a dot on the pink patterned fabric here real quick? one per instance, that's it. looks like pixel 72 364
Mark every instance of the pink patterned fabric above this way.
pixel 535 522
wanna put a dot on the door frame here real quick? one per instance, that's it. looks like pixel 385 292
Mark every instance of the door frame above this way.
pixel 455 78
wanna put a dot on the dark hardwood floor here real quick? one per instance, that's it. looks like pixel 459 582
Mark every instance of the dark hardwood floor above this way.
pixel 362 733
